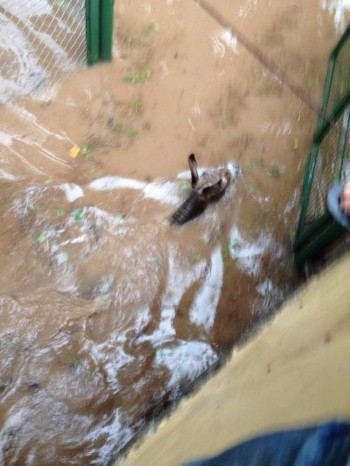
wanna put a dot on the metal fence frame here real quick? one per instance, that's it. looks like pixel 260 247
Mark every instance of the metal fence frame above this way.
pixel 331 148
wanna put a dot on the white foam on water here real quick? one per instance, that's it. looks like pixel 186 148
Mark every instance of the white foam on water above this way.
pixel 112 357
pixel 72 191
pixel 291 204
pixel 46 94
pixel 117 434
pixel 110 183
pixel 179 279
pixel 339 9
pixel 281 128
pixel 28 201
pixel 203 309
pixel 196 110
pixel 7 176
pixel 143 317
pixel 162 191
pixel 187 361
pixel 248 254
pixel 26 115
pixel 79 239
pixel 6 139
pixel 270 295
pixel 186 175
pixel 222 39
pixel 247 8
pixel 266 287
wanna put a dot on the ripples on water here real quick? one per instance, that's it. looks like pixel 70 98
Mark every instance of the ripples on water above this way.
pixel 106 310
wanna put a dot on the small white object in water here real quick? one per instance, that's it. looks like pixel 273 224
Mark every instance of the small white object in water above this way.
pixel 224 38
pixel 266 287
pixel 72 191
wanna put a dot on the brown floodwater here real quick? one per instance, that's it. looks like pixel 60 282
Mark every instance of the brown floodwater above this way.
pixel 108 313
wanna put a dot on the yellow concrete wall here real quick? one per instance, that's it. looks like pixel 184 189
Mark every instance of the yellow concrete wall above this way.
pixel 296 371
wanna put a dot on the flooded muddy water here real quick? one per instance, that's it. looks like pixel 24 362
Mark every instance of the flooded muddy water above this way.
pixel 108 313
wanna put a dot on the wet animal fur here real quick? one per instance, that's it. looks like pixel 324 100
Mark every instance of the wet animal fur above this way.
pixel 208 188
pixel 188 210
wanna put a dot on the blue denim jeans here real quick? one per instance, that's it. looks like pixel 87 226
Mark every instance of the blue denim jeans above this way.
pixel 324 445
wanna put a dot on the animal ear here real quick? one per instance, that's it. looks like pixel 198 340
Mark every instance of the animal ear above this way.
pixel 192 162
pixel 192 159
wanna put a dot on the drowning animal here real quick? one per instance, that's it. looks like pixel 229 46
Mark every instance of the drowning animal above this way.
pixel 207 188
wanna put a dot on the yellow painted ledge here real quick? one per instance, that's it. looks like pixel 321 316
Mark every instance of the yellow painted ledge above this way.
pixel 296 371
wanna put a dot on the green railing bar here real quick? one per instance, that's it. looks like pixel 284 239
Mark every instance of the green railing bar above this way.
pixel 345 144
pixel 310 230
pixel 106 29
pixel 341 42
pixel 307 185
pixel 92 9
pixel 323 124
pixel 336 112
pixel 319 243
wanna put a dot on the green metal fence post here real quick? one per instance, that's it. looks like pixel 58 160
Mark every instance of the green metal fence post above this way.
pixel 106 29
pixel 92 12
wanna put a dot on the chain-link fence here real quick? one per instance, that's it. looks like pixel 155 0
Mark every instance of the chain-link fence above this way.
pixel 40 41
pixel 328 157
pixel 337 86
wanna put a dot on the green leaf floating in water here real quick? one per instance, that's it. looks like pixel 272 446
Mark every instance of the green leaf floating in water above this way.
pixel 41 238
pixel 139 77
pixel 119 219
pixel 147 31
pixel 79 216
pixel 186 186
pixel 156 263
pixel 75 362
pixel 233 243
pixel 275 170
pixel 197 257
pixel 133 132
pixel 225 253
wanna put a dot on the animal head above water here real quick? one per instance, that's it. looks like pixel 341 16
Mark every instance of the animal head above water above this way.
pixel 208 187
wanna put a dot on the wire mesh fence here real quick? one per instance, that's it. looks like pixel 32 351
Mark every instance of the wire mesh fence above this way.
pixel 329 158
pixel 40 41
pixel 329 155
pixel 337 86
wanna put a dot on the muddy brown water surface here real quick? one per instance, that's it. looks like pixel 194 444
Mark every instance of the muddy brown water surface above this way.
pixel 106 311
